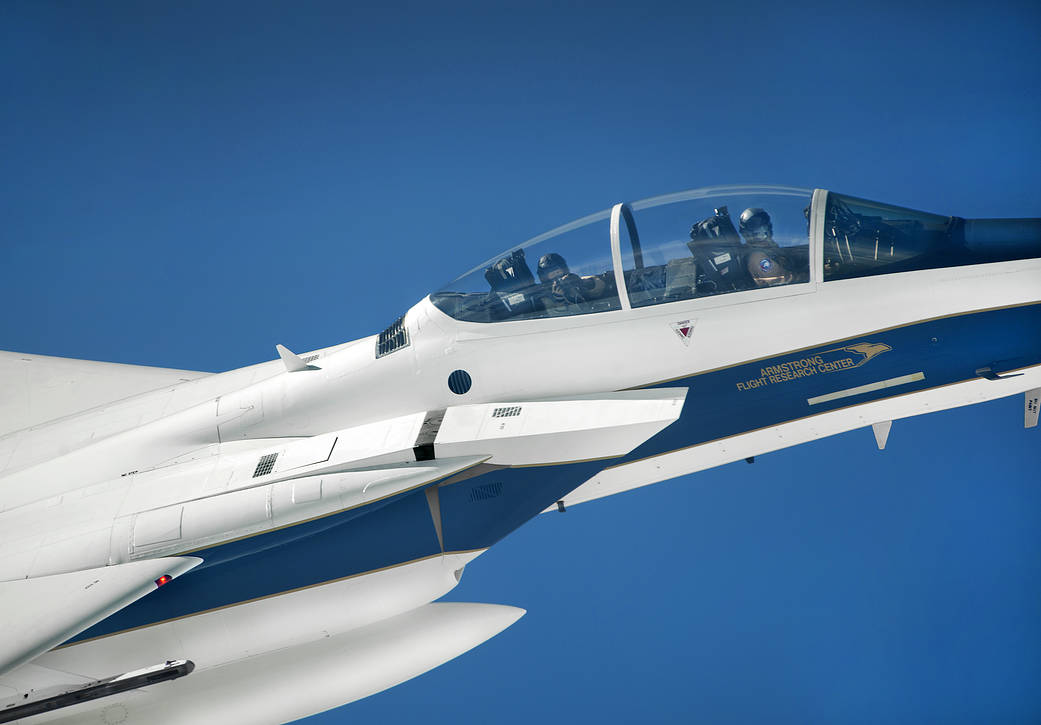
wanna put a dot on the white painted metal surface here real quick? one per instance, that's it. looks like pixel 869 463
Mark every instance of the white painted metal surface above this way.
pixel 233 648
pixel 139 519
pixel 37 614
pixel 1031 406
pixel 285 685
pixel 35 389
pixel 558 431
pixel 616 256
pixel 881 431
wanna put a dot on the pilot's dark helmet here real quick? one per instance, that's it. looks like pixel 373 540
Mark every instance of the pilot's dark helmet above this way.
pixel 552 266
pixel 756 226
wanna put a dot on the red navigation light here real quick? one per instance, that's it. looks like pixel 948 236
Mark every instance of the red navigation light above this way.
pixel 164 579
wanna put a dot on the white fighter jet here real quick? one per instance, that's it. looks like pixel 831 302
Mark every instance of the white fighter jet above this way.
pixel 263 544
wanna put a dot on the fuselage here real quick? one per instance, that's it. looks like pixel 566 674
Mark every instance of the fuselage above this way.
pixel 764 367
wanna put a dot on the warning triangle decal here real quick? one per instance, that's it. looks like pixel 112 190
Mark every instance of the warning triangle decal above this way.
pixel 685 330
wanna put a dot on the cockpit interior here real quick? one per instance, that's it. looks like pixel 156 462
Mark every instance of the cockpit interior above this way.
pixel 717 241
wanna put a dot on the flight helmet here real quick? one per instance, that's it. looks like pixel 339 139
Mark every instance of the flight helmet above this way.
pixel 549 265
pixel 755 225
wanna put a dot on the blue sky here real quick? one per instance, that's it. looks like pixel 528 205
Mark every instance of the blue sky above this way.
pixel 187 184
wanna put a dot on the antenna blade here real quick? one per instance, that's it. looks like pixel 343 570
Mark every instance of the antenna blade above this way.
pixel 292 361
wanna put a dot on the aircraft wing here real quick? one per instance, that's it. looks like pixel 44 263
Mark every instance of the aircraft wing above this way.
pixel 39 613
pixel 38 388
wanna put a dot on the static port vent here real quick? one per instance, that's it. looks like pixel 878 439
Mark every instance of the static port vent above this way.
pixel 265 465
pixel 485 491
pixel 393 338
pixel 459 382
pixel 506 412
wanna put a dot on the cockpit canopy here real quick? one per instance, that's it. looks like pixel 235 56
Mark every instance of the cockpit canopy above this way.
pixel 669 248
pixel 717 241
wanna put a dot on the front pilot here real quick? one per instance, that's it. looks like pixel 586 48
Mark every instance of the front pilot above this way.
pixel 565 286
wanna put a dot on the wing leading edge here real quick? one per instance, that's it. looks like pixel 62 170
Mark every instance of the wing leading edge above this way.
pixel 38 388
pixel 40 613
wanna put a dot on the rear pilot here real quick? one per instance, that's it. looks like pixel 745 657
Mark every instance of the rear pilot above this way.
pixel 765 260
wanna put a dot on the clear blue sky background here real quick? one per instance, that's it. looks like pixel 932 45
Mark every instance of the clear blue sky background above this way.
pixel 186 184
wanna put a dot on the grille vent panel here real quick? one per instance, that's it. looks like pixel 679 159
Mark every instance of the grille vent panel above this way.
pixel 265 465
pixel 485 491
pixel 393 338
pixel 506 412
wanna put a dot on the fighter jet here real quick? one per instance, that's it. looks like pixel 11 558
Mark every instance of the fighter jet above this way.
pixel 267 543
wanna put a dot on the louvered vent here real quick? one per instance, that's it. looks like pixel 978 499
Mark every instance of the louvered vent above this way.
pixel 265 465
pixel 459 382
pixel 310 359
pixel 393 338
pixel 506 412
pixel 485 491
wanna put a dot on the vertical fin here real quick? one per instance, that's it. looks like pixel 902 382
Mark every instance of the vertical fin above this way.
pixel 882 433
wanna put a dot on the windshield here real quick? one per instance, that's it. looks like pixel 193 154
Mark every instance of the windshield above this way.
pixel 863 238
pixel 566 271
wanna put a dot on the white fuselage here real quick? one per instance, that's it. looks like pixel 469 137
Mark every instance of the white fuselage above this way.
pixel 73 490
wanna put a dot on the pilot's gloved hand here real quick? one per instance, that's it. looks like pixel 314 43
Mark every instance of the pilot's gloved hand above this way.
pixel 568 288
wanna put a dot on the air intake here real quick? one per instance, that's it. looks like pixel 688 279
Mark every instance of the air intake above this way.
pixel 393 338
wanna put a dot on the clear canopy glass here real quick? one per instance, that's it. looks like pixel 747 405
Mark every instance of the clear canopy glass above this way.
pixel 669 248
pixel 566 271
pixel 714 241
pixel 864 238
pixel 717 241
